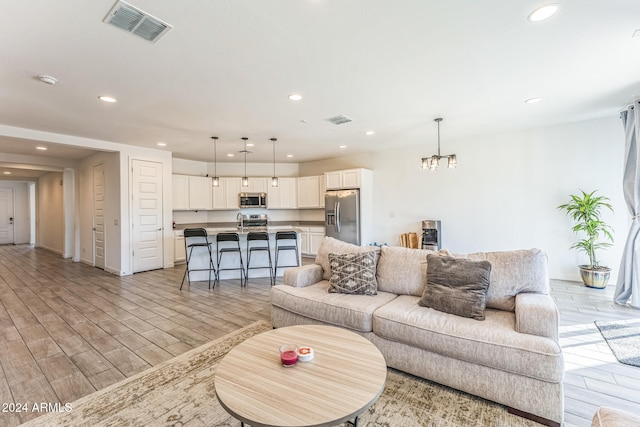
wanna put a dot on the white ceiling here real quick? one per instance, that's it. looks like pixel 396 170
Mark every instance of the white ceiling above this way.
pixel 227 67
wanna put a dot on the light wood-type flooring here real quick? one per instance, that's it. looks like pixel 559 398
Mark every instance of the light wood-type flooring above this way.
pixel 67 329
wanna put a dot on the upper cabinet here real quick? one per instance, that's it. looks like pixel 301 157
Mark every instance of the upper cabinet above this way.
pixel 284 195
pixel 311 192
pixel 180 192
pixel 348 178
pixel 191 192
pixel 199 193
pixel 256 185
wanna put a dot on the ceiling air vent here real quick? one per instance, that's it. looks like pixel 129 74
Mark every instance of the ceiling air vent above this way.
pixel 338 120
pixel 133 20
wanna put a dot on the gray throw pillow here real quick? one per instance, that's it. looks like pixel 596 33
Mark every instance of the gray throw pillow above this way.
pixel 456 286
pixel 353 273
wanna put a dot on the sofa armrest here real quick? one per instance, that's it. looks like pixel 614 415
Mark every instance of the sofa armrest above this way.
pixel 537 314
pixel 302 276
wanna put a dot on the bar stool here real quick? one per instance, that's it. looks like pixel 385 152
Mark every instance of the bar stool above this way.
pixel 287 237
pixel 229 243
pixel 258 236
pixel 197 234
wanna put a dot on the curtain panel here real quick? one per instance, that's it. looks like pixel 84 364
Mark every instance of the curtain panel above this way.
pixel 628 285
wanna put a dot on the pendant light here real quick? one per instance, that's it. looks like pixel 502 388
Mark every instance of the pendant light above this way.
pixel 245 178
pixel 432 162
pixel 216 178
pixel 274 178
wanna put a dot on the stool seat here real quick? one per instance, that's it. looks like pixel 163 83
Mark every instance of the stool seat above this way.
pixel 190 245
pixel 229 243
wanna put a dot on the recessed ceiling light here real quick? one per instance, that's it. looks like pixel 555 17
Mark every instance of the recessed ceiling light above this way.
pixel 543 12
pixel 40 147
pixel 303 121
pixel 289 155
pixel 369 132
pixel 250 145
pixel 6 173
pixel 107 99
pixel 532 100
pixel 230 155
pixel 295 97
pixel 162 144
pixel 50 80
pixel 343 146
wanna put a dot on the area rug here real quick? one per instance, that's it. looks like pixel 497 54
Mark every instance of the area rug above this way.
pixel 623 338
pixel 181 392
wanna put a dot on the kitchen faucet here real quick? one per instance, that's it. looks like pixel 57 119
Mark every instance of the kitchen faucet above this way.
pixel 240 220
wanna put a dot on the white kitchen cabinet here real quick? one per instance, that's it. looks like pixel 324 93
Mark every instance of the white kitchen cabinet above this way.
pixel 284 195
pixel 232 187
pixel 199 193
pixel 256 185
pixel 316 234
pixel 191 192
pixel 219 195
pixel 179 254
pixel 348 178
pixel 304 243
pixel 310 239
pixel 310 192
pixel 180 189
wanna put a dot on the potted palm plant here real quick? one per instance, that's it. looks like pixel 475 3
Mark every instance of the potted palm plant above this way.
pixel 585 210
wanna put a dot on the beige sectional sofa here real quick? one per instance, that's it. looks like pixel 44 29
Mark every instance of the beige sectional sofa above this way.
pixel 512 357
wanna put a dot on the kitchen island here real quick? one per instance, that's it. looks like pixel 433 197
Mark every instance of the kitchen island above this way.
pixel 200 258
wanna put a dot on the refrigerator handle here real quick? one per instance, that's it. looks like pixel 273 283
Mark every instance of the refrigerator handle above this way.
pixel 338 217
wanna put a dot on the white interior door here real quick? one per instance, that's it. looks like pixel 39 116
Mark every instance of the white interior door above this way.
pixel 147 215
pixel 98 216
pixel 6 216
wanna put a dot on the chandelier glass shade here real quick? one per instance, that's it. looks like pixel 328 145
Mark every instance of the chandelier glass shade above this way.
pixel 432 162
pixel 245 178
pixel 216 178
pixel 274 178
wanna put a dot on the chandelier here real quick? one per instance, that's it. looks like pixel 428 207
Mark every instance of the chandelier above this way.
pixel 245 178
pixel 432 162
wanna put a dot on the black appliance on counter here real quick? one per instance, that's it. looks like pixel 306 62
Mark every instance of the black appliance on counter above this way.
pixel 431 235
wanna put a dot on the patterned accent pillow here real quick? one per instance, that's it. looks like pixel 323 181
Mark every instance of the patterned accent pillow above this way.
pixel 353 273
pixel 456 286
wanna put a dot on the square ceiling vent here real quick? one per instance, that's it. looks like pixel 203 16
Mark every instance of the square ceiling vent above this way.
pixel 135 21
pixel 339 120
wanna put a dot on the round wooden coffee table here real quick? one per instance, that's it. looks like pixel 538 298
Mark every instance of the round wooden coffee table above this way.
pixel 343 380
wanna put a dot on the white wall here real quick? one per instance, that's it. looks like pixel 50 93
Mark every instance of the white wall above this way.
pixel 21 209
pixel 504 193
pixel 50 218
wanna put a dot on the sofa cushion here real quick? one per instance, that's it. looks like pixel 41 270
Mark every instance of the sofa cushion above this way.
pixel 402 271
pixel 329 245
pixel 513 272
pixel 353 273
pixel 350 311
pixel 456 286
pixel 493 343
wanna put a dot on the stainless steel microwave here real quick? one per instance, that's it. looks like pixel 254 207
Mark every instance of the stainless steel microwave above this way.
pixel 252 200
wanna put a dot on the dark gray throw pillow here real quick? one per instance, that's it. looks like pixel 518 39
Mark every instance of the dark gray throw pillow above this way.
pixel 456 286
pixel 353 273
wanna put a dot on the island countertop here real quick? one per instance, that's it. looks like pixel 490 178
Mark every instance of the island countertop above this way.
pixel 232 226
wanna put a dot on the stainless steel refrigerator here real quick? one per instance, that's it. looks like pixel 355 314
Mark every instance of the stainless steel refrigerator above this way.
pixel 342 215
